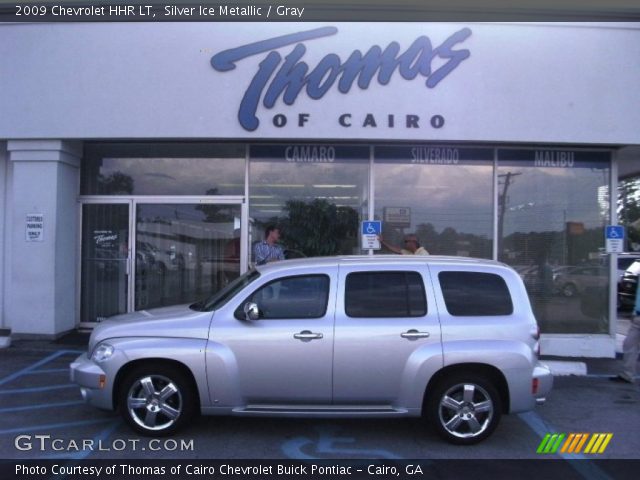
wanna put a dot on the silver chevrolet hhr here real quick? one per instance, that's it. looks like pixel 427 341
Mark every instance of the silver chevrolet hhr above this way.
pixel 450 339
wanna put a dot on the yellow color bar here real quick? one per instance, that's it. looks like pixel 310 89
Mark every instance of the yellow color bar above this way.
pixel 599 442
pixel 605 443
pixel 592 442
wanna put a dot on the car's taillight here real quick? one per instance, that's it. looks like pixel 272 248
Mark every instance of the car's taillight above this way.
pixel 535 384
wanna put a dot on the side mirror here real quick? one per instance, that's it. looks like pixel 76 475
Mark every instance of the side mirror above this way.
pixel 251 311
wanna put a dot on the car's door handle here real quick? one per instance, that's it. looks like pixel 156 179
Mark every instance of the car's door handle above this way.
pixel 414 335
pixel 307 336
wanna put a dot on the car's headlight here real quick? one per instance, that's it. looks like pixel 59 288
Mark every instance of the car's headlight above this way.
pixel 102 352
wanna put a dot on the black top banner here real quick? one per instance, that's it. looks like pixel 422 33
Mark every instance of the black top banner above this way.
pixel 319 10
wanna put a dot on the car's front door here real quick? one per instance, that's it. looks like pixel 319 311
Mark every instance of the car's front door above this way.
pixel 285 356
pixel 387 335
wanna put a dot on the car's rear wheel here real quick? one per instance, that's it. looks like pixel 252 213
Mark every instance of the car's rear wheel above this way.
pixel 156 401
pixel 464 409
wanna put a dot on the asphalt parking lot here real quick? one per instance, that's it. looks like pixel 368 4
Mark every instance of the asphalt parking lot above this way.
pixel 43 417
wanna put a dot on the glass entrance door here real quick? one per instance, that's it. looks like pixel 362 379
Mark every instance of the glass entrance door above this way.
pixel 184 252
pixel 105 268
pixel 141 253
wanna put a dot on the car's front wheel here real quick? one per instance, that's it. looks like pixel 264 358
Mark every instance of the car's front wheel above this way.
pixel 156 401
pixel 464 410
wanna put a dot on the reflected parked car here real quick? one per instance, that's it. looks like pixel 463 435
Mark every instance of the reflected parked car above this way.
pixel 628 285
pixel 625 260
pixel 573 281
pixel 161 260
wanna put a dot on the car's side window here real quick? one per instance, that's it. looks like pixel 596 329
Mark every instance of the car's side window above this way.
pixel 303 296
pixel 385 294
pixel 475 294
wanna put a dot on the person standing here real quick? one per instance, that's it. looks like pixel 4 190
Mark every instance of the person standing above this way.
pixel 631 345
pixel 411 246
pixel 267 250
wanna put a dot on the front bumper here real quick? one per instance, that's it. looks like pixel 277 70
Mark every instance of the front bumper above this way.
pixel 544 378
pixel 93 382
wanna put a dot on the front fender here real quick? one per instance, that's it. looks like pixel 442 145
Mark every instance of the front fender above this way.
pixel 190 352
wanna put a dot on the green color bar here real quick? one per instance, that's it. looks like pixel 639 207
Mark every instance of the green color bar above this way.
pixel 543 443
pixel 558 443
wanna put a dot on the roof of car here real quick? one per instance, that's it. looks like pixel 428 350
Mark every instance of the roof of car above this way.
pixel 379 260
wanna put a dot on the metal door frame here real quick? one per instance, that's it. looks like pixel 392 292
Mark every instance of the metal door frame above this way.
pixel 132 201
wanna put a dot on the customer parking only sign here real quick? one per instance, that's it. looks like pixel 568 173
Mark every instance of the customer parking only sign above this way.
pixel 34 231
pixel 370 232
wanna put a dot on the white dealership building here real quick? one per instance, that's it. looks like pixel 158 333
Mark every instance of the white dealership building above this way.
pixel 139 162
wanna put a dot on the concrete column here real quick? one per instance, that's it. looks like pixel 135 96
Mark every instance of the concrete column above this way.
pixel 41 282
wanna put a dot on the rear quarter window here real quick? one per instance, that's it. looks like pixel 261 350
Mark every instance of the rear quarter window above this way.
pixel 475 294
pixel 385 294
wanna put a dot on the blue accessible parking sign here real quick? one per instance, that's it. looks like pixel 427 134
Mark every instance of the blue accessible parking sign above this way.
pixel 369 232
pixel 614 238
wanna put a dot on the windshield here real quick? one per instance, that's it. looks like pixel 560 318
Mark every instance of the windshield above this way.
pixel 223 296
pixel 634 268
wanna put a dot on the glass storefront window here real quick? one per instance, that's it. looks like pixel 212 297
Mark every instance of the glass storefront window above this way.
pixel 442 194
pixel 316 194
pixel 552 209
pixel 163 169
pixel 184 252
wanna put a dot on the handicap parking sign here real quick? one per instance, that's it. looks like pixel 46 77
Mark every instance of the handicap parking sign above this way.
pixel 370 231
pixel 614 238
pixel 615 231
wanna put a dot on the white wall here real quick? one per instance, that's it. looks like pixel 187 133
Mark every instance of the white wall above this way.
pixel 549 83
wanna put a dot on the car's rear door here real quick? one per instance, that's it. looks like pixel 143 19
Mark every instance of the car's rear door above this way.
pixel 387 335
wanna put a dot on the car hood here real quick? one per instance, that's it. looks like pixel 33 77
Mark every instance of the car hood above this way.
pixel 177 321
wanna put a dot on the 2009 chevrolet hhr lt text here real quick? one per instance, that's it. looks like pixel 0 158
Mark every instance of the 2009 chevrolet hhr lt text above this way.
pixel 450 339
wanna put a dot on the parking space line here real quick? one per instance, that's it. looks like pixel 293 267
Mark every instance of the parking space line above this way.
pixel 38 389
pixel 37 364
pixel 52 426
pixel 47 370
pixel 41 405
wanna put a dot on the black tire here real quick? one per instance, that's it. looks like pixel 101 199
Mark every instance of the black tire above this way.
pixel 157 400
pixel 460 420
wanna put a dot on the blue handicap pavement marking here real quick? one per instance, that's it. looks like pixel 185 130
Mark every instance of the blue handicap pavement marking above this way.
pixel 615 231
pixel 329 445
pixel 372 227
pixel 32 368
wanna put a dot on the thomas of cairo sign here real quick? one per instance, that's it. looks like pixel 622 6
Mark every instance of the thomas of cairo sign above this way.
pixel 287 77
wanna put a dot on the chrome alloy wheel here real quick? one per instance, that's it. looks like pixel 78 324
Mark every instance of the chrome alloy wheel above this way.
pixel 466 410
pixel 154 402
